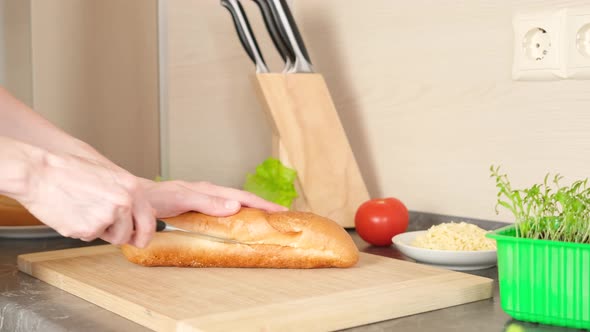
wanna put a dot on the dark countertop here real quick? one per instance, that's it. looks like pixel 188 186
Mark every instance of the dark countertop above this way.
pixel 28 304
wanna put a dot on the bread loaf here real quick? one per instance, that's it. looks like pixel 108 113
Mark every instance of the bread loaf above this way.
pixel 273 240
pixel 12 213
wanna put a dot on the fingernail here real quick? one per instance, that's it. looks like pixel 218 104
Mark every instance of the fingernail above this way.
pixel 232 205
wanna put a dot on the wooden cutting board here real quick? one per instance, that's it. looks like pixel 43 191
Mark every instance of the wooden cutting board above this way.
pixel 220 299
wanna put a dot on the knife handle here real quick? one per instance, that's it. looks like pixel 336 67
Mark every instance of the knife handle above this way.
pixel 245 35
pixel 282 33
pixel 291 34
pixel 295 30
pixel 160 225
pixel 273 30
pixel 237 24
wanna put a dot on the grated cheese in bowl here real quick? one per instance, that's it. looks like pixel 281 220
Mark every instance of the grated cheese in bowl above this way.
pixel 455 236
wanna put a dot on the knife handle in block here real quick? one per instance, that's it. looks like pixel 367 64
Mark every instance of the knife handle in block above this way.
pixel 305 120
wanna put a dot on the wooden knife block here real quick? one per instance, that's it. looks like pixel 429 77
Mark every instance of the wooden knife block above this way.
pixel 308 137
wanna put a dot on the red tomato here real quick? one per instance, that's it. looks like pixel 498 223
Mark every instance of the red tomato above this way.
pixel 378 220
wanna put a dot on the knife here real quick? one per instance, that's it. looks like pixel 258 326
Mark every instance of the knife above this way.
pixel 287 24
pixel 281 31
pixel 245 33
pixel 162 226
pixel 270 20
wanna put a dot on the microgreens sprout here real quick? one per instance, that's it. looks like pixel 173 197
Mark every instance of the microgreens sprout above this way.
pixel 549 210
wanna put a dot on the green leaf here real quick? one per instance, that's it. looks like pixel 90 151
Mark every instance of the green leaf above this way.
pixel 159 178
pixel 506 205
pixel 273 181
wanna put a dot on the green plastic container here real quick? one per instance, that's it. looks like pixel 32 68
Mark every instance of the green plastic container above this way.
pixel 543 281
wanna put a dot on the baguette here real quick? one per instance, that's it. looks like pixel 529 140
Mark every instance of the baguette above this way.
pixel 274 240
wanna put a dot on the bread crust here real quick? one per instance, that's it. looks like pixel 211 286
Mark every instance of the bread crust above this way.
pixel 12 213
pixel 274 240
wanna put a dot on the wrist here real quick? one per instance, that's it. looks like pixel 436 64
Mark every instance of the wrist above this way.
pixel 86 151
pixel 20 163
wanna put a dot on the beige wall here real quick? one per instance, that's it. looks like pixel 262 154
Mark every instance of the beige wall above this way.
pixel 215 128
pixel 423 89
pixel 425 93
pixel 15 49
pixel 94 70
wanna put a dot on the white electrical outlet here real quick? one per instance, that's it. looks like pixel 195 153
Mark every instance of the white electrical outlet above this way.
pixel 577 43
pixel 538 46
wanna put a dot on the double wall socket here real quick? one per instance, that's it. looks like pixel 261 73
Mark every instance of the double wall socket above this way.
pixel 577 32
pixel 552 45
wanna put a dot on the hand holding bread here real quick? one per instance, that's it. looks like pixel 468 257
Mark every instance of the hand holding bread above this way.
pixel 172 198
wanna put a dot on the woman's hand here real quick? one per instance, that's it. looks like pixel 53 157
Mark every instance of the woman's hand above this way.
pixel 72 188
pixel 171 198
pixel 87 199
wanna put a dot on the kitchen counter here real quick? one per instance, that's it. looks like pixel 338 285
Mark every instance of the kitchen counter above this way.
pixel 28 304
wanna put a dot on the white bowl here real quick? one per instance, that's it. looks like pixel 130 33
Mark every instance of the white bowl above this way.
pixel 448 259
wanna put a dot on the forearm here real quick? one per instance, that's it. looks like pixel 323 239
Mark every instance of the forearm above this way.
pixel 18 161
pixel 19 122
pixel 77 197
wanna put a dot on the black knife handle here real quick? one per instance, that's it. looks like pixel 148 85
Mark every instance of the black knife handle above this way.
pixel 160 225
pixel 295 29
pixel 241 34
pixel 280 28
pixel 245 32
pixel 271 25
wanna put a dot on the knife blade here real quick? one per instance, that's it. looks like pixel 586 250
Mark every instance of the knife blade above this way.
pixel 289 27
pixel 245 34
pixel 162 226
pixel 273 30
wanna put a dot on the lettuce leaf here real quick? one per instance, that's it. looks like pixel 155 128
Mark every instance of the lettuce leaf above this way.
pixel 273 181
pixel 159 178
